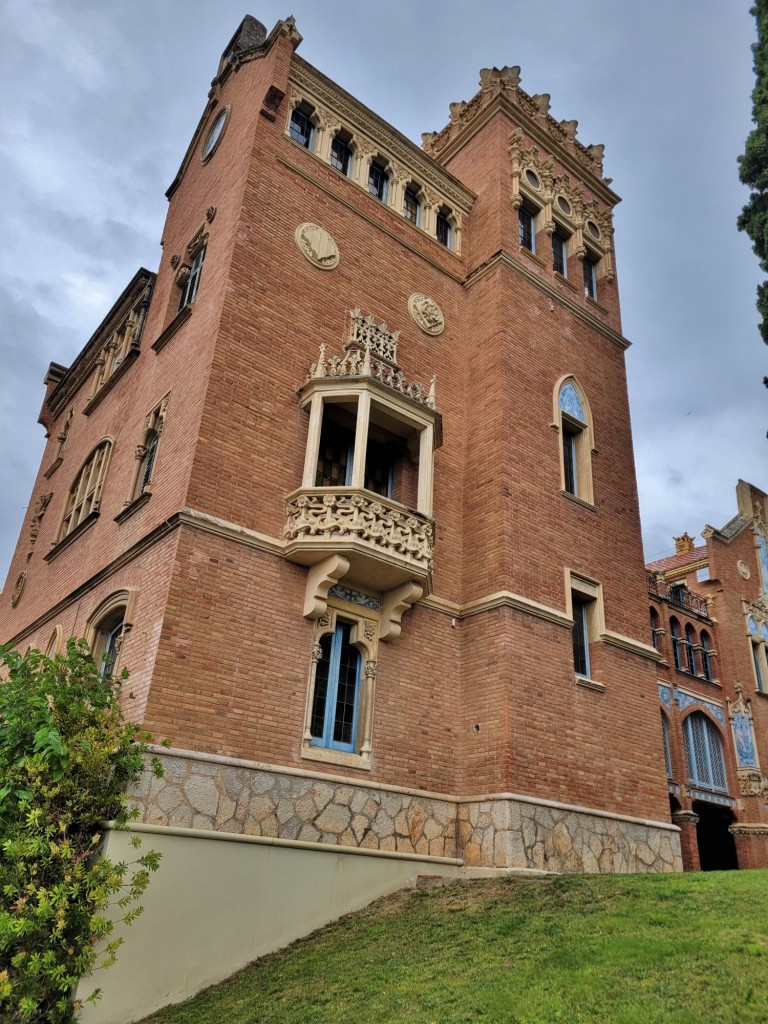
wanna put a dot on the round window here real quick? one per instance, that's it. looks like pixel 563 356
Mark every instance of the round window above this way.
pixel 533 179
pixel 213 137
pixel 593 229
pixel 564 205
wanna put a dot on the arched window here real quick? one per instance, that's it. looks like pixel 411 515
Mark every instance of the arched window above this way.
pixel 378 179
pixel 665 741
pixel 85 494
pixel 108 640
pixel 341 153
pixel 576 443
pixel 337 685
pixel 706 655
pixel 107 629
pixel 146 452
pixel 674 632
pixel 411 204
pixel 704 753
pixel 690 649
pixel 54 642
pixel 302 130
pixel 443 228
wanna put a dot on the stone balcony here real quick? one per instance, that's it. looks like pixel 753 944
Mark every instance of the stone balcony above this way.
pixel 384 543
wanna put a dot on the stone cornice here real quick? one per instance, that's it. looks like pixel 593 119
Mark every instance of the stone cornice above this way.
pixel 82 366
pixel 231 531
pixel 506 599
pixel 506 259
pixel 631 646
pixel 363 121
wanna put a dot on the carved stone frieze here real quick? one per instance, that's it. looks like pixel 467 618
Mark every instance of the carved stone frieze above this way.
pixel 749 830
pixel 342 513
pixel 426 313
pixel 317 246
pixel 360 364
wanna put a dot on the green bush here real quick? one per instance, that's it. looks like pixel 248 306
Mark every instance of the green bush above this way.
pixel 66 756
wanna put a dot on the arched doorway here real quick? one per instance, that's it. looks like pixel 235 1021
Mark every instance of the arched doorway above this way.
pixel 717 850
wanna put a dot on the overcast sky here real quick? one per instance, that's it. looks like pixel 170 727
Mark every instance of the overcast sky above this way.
pixel 101 98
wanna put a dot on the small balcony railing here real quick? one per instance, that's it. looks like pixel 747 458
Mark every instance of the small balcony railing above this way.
pixel 677 594
pixel 386 542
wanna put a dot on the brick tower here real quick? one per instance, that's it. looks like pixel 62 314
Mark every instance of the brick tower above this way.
pixel 348 487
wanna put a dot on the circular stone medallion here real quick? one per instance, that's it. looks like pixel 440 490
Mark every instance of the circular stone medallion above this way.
pixel 317 246
pixel 743 568
pixel 18 589
pixel 426 313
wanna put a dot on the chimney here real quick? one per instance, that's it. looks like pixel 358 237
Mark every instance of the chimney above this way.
pixel 684 544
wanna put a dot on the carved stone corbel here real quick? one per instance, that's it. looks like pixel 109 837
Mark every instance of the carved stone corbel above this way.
pixel 394 604
pixel 320 579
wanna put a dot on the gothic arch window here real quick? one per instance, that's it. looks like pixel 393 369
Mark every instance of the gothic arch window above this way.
pixel 342 153
pixel 301 126
pixel 704 753
pixel 339 715
pixel 84 495
pixel 573 421
pixel 690 649
pixel 674 632
pixel 107 629
pixel 378 179
pixel 412 204
pixel 55 642
pixel 445 224
pixel 146 452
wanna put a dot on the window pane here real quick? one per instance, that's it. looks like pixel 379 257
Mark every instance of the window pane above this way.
pixel 590 280
pixel 321 688
pixel 665 740
pixel 580 637
pixel 411 206
pixel 340 156
pixel 569 461
pixel 443 230
pixel 334 463
pixel 346 692
pixel 301 128
pixel 377 182
pixel 558 255
pixel 525 221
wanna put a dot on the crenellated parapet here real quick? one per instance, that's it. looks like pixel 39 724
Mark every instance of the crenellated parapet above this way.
pixel 532 112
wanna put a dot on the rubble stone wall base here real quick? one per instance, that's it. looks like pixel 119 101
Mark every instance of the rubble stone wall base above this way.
pixel 509 833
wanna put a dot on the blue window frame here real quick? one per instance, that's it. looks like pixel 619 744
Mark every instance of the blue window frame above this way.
pixel 337 691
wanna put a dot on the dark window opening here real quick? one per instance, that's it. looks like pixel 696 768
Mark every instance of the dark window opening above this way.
pixel 559 258
pixel 301 128
pixel 341 155
pixel 525 224
pixel 580 637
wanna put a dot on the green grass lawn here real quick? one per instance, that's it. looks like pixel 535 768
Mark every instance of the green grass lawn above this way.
pixel 632 949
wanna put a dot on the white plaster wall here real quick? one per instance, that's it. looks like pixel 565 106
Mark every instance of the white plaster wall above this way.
pixel 219 901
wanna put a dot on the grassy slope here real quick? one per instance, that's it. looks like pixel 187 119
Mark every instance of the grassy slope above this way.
pixel 682 949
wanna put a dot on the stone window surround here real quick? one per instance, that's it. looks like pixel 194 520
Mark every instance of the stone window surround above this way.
pixel 121 601
pixel 591 593
pixel 365 637
pixel 550 217
pixel 154 423
pixel 92 497
pixel 363 151
pixel 584 441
